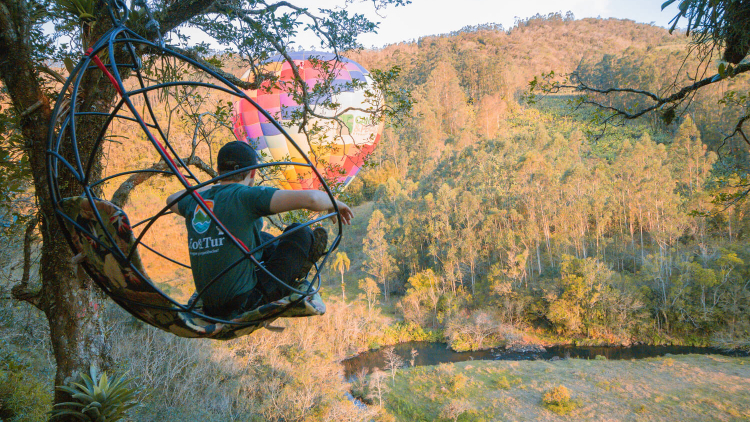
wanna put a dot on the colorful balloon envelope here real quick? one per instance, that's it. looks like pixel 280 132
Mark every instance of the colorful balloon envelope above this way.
pixel 337 148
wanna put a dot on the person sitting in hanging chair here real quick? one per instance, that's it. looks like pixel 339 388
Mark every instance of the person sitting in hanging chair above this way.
pixel 240 206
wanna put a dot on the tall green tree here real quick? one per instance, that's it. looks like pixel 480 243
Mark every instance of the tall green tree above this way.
pixel 341 264
pixel 380 263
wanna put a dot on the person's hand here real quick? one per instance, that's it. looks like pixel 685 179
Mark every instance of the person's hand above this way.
pixel 345 211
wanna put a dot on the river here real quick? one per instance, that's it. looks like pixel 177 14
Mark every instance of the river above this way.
pixel 435 353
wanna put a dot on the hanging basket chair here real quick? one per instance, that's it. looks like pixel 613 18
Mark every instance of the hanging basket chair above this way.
pixel 100 232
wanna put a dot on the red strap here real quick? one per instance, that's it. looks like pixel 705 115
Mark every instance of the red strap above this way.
pixel 103 68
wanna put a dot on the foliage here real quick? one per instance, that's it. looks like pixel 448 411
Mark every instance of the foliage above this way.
pixel 23 397
pixel 380 263
pixel 586 238
pixel 96 398
pixel 717 23
pixel 632 94
pixel 371 289
pixel 478 330
pixel 15 170
pixel 558 400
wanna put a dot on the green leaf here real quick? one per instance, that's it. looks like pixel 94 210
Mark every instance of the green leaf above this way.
pixel 70 403
pixel 666 3
pixel 104 382
pixel 83 397
pixel 56 414
pixel 69 64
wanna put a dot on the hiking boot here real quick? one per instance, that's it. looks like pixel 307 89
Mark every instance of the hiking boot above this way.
pixel 317 249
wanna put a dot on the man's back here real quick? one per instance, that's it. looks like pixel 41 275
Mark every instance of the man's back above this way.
pixel 240 209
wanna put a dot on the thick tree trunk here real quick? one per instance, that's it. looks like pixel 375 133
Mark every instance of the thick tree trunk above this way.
pixel 72 309
pixel 69 304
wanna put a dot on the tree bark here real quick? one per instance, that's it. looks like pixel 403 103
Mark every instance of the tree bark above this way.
pixel 68 302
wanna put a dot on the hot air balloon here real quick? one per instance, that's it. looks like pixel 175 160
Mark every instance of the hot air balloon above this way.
pixel 339 148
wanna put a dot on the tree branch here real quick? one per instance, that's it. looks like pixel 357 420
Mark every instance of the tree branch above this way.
pixel 21 290
pixel 17 70
pixel 122 194
pixel 180 12
pixel 659 101
pixel 738 129
pixel 228 76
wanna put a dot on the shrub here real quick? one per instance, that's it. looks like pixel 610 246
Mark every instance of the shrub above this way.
pixel 475 331
pixel 360 387
pixel 558 400
pixel 457 382
pixel 455 409
pixel 502 383
pixel 23 397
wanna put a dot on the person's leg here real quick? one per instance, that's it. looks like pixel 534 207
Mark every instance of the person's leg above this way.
pixel 285 261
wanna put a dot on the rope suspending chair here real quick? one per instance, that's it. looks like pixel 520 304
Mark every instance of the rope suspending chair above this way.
pixel 100 232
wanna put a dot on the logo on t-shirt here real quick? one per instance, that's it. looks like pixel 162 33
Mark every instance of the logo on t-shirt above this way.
pixel 201 220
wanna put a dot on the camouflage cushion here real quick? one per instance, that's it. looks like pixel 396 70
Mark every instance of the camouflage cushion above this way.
pixel 128 285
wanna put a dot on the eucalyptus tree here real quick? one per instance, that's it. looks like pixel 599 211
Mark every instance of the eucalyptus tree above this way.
pixel 37 34
pixel 380 264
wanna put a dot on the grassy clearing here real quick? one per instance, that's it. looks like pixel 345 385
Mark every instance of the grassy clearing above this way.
pixel 684 388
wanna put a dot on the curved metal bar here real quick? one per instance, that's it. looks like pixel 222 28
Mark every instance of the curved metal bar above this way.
pixel 180 83
pixel 163 136
pixel 146 220
pixel 179 308
pixel 145 229
pixel 73 101
pixel 174 261
pixel 53 143
pixel 98 142
pixel 119 116
pixel 65 162
pixel 109 65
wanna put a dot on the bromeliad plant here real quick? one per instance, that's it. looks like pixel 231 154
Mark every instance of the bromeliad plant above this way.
pixel 96 398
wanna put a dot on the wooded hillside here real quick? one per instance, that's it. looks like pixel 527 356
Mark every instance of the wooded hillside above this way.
pixel 538 216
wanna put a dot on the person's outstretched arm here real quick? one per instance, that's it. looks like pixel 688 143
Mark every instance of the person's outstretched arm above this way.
pixel 313 200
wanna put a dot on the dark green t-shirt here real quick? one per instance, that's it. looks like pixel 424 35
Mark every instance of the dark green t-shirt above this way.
pixel 240 208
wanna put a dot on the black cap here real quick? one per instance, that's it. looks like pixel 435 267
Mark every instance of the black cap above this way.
pixel 236 155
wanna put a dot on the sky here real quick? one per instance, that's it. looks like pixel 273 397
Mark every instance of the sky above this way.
pixel 430 17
